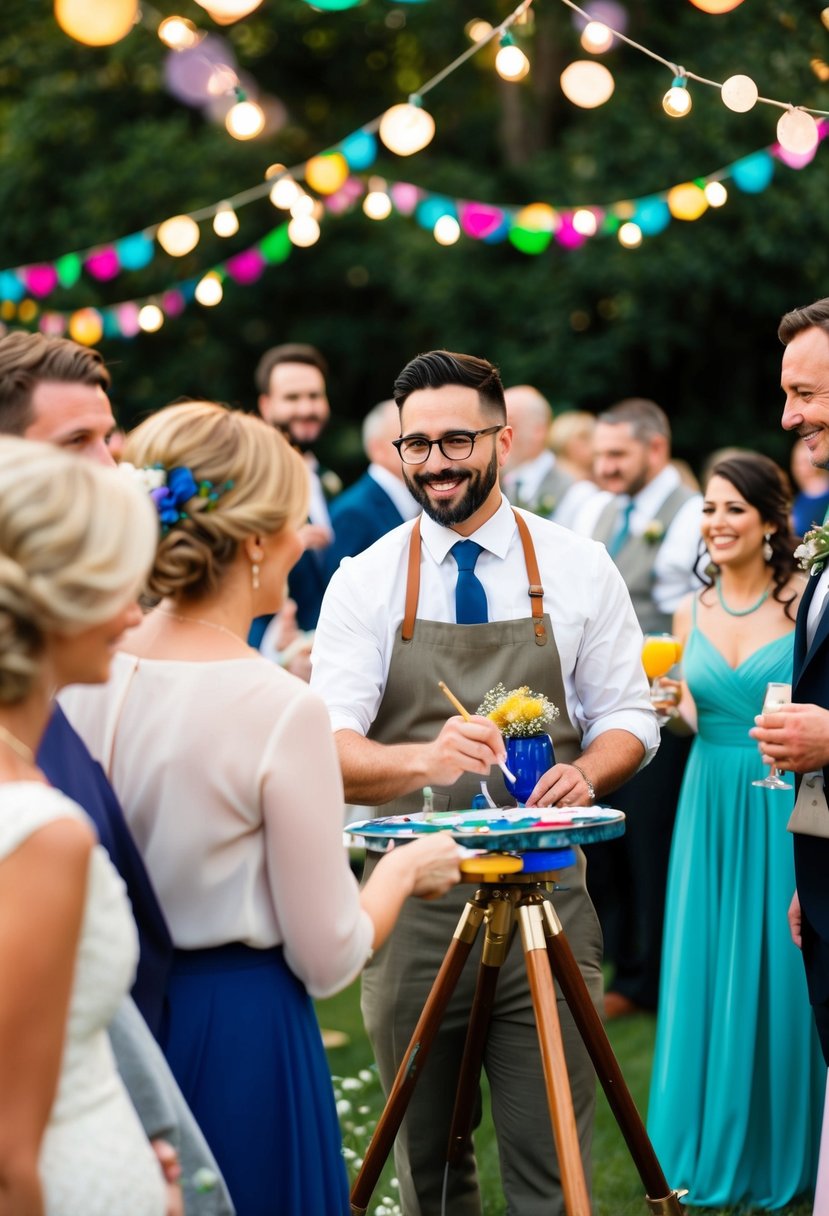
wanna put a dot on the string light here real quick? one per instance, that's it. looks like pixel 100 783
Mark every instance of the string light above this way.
pixel 739 93
pixel 716 6
pixel 447 230
pixel 179 33
pixel 587 84
pixel 716 194
pixel 630 235
pixel 225 221
pixel 304 231
pixel 178 235
pixel 407 128
pixel 511 63
pixel 476 29
pixel 377 205
pixel 284 192
pixel 797 131
pixel 245 120
pixel 96 24
pixel 302 205
pixel 596 37
pixel 677 101
pixel 225 12
pixel 150 318
pixel 209 290
pixel 585 222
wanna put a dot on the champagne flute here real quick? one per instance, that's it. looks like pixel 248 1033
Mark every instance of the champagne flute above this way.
pixel 660 651
pixel 777 695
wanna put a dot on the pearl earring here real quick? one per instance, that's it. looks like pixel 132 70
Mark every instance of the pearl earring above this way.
pixel 254 571
pixel 767 549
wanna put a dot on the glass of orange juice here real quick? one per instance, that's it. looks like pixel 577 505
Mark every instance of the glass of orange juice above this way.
pixel 660 651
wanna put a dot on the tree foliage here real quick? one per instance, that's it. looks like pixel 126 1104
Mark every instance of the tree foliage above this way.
pixel 93 147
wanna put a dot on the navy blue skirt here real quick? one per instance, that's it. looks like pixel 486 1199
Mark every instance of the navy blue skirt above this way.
pixel 242 1039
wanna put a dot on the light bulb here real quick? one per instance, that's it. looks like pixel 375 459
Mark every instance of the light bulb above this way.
pixel 587 83
pixel 245 120
pixel 96 24
pixel 585 222
pixel 739 93
pixel 797 131
pixel 150 318
pixel 406 128
pixel 677 101
pixel 304 231
pixel 302 205
pixel 476 29
pixel 447 230
pixel 716 6
pixel 284 192
pixel 326 173
pixel 687 201
pixel 224 12
pixel 209 290
pixel 716 194
pixel 178 33
pixel 377 205
pixel 225 221
pixel 511 63
pixel 85 325
pixel 178 235
pixel 596 37
pixel 630 235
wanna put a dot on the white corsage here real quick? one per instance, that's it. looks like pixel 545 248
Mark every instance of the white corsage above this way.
pixel 813 553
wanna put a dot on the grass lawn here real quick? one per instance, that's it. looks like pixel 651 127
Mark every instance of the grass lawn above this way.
pixel 617 1189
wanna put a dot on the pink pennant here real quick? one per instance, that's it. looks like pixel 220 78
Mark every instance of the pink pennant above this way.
pixel 479 220
pixel 103 264
pixel 41 279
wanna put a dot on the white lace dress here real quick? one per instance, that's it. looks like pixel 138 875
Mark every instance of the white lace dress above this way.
pixel 95 1158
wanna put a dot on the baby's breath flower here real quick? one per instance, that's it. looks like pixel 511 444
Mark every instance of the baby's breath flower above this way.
pixel 518 713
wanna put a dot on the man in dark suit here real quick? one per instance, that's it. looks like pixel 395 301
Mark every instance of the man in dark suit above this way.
pixel 380 500
pixel 293 398
pixel 797 738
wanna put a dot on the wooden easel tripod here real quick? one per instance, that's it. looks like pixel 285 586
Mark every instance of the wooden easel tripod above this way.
pixel 502 904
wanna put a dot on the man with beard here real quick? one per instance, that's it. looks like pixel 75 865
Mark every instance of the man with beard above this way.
pixel 292 397
pixel 412 610
pixel 650 524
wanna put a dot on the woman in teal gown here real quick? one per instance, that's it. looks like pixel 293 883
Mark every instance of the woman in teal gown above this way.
pixel 738 1078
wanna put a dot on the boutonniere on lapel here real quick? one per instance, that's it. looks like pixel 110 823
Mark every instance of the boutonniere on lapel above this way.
pixel 545 506
pixel 812 555
pixel 331 483
pixel 653 532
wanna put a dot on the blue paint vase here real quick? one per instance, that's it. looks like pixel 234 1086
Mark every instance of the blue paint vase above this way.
pixel 527 758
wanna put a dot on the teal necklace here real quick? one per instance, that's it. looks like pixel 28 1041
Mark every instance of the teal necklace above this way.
pixel 740 611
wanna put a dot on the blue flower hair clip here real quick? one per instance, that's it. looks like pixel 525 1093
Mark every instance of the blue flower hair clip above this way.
pixel 171 489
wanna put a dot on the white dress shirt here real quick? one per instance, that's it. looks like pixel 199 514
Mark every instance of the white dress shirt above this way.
pixel 596 631
pixel 673 570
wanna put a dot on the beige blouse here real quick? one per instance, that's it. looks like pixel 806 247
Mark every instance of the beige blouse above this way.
pixel 229 780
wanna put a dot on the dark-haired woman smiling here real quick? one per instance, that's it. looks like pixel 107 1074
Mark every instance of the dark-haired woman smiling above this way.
pixel 738 1078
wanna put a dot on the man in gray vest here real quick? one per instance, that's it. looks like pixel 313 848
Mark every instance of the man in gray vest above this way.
pixel 533 478
pixel 473 593
pixel 650 523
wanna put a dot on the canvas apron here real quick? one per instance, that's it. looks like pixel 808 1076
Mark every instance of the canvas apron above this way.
pixel 471 659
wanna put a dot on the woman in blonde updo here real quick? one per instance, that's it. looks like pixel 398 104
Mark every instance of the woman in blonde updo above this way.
pixel 226 768
pixel 76 542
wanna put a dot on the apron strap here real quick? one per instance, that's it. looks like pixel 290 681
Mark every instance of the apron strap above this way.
pixel 535 590
pixel 412 585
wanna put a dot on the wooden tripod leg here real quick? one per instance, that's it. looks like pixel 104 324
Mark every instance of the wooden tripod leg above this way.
pixel 559 1097
pixel 427 1026
pixel 499 925
pixel 659 1196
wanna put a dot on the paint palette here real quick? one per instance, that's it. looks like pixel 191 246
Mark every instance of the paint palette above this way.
pixel 503 829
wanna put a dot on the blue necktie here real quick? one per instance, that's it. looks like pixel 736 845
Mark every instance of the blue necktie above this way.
pixel 470 597
pixel 622 532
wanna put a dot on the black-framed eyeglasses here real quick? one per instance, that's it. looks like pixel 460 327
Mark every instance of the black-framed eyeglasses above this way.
pixel 455 445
